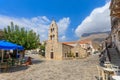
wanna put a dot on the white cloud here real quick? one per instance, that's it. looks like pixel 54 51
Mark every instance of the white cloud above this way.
pixel 63 25
pixel 97 21
pixel 63 38
pixel 39 24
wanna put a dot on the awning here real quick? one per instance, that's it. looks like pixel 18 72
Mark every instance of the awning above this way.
pixel 5 45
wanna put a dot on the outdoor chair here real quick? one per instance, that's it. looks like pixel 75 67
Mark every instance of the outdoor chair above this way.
pixel 102 75
pixel 108 65
pixel 99 73
pixel 116 69
pixel 4 66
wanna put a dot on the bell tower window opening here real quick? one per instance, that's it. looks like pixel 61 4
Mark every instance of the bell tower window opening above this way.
pixel 51 30
pixel 50 37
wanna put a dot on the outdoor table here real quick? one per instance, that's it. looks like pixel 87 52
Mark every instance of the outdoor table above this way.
pixel 109 69
pixel 108 65
pixel 116 77
pixel 107 62
pixel 108 72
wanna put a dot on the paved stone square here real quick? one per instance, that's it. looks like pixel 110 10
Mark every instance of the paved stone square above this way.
pixel 82 69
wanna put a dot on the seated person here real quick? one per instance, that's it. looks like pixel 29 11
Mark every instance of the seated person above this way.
pixel 28 62
pixel 6 57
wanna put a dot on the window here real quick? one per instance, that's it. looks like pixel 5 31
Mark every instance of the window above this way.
pixel 51 30
pixel 51 49
pixel 50 37
pixel 65 54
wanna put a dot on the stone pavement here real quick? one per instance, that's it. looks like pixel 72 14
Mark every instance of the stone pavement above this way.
pixel 82 69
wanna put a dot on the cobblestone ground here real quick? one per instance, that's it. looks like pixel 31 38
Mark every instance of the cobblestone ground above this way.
pixel 83 69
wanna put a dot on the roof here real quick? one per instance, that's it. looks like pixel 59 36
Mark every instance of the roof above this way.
pixel 85 41
pixel 67 45
pixel 69 42
pixel 95 45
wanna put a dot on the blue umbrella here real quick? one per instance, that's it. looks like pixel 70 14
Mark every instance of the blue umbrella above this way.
pixel 20 47
pixel 9 46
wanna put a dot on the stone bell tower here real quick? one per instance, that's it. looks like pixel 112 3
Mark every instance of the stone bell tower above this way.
pixel 53 32
pixel 52 43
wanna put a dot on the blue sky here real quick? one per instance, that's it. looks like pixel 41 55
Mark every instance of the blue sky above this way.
pixel 74 17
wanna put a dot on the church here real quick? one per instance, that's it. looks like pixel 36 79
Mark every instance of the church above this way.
pixel 62 50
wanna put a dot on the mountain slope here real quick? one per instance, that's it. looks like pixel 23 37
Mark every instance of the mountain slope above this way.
pixel 97 36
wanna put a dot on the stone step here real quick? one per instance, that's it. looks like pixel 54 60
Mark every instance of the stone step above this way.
pixel 115 59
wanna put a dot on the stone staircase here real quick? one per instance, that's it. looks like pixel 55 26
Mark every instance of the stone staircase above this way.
pixel 115 57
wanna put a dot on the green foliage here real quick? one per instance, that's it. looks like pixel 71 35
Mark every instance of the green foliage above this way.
pixel 1 35
pixel 42 50
pixel 70 54
pixel 42 47
pixel 15 34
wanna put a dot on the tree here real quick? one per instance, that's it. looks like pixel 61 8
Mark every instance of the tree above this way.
pixel 1 35
pixel 15 34
pixel 42 50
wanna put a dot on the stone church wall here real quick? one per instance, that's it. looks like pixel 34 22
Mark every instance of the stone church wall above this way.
pixel 66 49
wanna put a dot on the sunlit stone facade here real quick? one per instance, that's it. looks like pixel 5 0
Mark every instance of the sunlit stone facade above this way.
pixel 61 51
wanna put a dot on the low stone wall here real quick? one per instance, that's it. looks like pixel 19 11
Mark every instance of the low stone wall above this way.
pixel 74 58
pixel 69 58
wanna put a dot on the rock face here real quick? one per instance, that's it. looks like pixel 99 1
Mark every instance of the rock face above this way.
pixel 88 34
pixel 115 22
pixel 97 36
pixel 115 8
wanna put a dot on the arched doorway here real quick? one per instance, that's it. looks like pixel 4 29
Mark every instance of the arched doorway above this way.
pixel 52 55
pixel 77 54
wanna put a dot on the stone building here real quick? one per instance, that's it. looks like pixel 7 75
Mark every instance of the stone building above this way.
pixel 89 45
pixel 115 23
pixel 60 50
